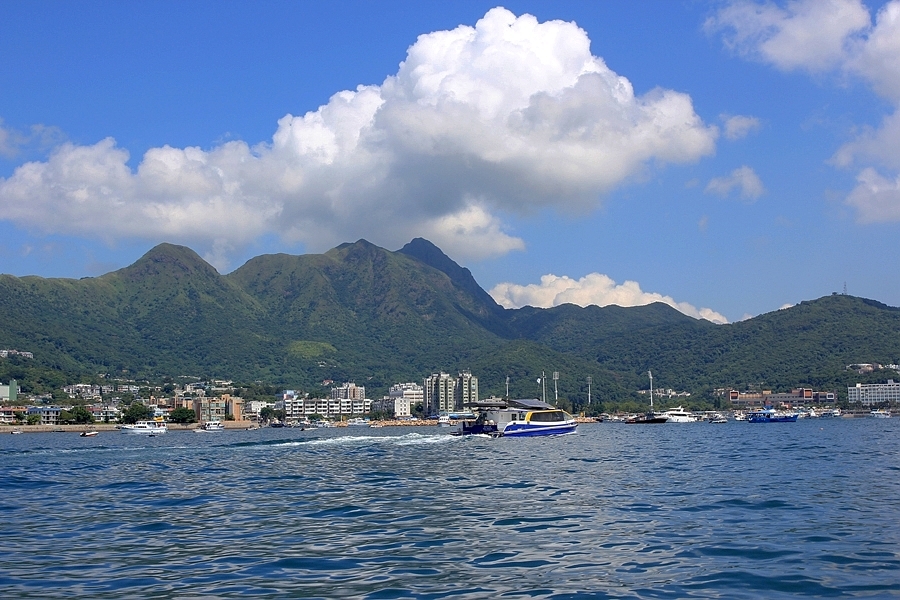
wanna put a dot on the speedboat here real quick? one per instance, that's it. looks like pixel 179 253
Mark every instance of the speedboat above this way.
pixel 210 426
pixel 88 433
pixel 717 418
pixel 146 428
pixel 679 415
pixel 880 413
pixel 358 422
pixel 517 418
pixel 769 415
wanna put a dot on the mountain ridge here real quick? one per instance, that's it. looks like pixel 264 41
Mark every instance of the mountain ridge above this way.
pixel 360 312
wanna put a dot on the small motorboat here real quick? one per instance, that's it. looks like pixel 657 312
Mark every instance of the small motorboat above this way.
pixel 88 433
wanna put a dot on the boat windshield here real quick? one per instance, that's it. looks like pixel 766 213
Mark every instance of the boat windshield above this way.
pixel 548 416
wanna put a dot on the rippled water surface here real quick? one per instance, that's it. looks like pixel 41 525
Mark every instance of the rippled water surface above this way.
pixel 615 511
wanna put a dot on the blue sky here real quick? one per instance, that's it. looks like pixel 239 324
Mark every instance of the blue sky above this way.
pixel 729 158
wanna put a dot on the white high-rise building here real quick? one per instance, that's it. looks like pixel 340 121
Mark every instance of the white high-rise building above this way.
pixel 446 394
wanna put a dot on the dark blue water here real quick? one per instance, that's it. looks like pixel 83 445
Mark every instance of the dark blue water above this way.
pixel 615 511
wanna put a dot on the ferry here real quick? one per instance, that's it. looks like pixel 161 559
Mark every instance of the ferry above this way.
pixel 516 418
pixel 145 428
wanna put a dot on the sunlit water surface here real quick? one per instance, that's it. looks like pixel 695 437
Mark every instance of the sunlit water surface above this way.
pixel 614 511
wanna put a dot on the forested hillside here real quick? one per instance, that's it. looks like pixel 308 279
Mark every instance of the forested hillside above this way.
pixel 366 314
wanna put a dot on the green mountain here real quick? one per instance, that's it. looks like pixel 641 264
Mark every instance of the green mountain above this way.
pixel 363 313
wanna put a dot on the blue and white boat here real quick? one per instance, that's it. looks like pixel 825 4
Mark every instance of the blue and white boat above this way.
pixel 769 415
pixel 517 418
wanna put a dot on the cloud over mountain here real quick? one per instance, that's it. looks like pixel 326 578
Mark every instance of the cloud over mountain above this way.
pixel 510 116
pixel 592 289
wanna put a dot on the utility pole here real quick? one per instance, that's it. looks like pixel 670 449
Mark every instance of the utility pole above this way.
pixel 555 390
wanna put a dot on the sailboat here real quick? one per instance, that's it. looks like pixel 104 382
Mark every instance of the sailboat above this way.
pixel 649 417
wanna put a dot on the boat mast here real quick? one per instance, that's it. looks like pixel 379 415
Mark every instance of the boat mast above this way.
pixel 651 390
pixel 543 387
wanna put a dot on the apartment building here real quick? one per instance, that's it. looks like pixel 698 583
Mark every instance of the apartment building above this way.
pixel 874 394
pixel 446 394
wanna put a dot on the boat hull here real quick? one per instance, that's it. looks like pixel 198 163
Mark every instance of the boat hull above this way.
pixel 648 419
pixel 772 418
pixel 533 430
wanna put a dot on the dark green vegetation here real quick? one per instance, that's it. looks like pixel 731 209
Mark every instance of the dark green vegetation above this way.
pixel 361 313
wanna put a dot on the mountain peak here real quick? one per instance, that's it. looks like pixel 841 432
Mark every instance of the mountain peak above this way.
pixel 171 259
pixel 426 252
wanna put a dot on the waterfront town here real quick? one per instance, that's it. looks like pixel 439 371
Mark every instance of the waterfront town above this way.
pixel 440 393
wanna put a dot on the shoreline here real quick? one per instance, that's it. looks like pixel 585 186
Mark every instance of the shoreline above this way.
pixel 234 425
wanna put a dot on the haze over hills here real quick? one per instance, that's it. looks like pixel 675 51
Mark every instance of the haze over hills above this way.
pixel 366 314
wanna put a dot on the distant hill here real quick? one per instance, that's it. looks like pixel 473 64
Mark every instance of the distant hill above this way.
pixel 366 314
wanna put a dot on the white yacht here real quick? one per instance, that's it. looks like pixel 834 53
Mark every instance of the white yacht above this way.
pixel 679 415
pixel 146 428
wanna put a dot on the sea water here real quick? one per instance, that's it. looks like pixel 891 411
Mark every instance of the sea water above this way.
pixel 737 510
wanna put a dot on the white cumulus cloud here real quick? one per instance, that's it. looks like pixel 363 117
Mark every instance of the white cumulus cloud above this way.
pixel 739 126
pixel 510 116
pixel 592 289
pixel 839 35
pixel 807 34
pixel 876 198
pixel 744 179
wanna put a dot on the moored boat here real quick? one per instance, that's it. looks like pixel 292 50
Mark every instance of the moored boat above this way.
pixel 646 419
pixel 210 426
pixel 679 415
pixel 145 428
pixel 358 422
pixel 769 415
